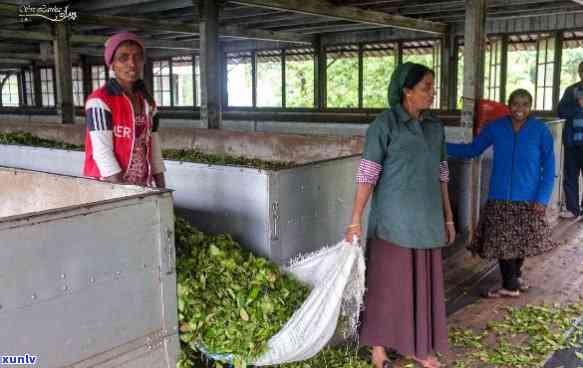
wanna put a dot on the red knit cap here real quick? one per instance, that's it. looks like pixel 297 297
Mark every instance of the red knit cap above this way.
pixel 113 43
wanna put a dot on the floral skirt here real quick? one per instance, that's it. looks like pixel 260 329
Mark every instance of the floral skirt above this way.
pixel 509 230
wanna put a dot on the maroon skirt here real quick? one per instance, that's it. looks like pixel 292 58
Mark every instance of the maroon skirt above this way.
pixel 404 306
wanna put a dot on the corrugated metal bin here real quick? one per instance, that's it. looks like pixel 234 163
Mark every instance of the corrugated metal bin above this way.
pixel 278 214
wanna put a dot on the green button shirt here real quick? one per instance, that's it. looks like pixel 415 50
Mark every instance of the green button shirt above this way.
pixel 407 207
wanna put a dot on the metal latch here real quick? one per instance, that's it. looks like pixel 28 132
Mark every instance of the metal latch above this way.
pixel 275 220
pixel 168 262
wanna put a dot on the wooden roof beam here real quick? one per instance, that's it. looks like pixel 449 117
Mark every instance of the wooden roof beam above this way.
pixel 148 42
pixel 98 40
pixel 25 35
pixel 326 9
pixel 14 61
pixel 148 24
pixel 21 56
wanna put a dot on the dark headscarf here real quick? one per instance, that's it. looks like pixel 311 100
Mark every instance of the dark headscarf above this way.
pixel 406 75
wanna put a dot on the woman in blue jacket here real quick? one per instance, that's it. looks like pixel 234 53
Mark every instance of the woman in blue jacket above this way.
pixel 512 224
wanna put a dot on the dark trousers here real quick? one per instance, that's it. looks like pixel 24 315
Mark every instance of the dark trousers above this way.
pixel 511 270
pixel 573 166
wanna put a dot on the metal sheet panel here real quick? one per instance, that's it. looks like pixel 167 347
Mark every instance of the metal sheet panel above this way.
pixel 42 159
pixel 148 351
pixel 315 204
pixel 28 192
pixel 80 282
pixel 223 199
pixel 558 196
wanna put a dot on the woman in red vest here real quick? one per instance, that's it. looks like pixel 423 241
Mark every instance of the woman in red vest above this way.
pixel 122 143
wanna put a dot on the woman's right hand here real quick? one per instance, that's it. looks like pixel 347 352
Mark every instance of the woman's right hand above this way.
pixel 353 230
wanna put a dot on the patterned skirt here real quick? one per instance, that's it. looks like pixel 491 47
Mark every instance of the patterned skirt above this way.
pixel 509 230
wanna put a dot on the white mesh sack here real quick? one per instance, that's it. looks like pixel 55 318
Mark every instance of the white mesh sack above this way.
pixel 336 275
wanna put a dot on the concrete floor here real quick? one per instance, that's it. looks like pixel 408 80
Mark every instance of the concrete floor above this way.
pixel 556 277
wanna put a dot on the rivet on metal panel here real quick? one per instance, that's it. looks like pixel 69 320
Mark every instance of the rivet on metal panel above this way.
pixel 34 296
pixel 92 280
pixel 63 276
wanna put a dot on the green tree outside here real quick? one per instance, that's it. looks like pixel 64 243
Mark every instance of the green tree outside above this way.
pixel 299 78
pixel 569 67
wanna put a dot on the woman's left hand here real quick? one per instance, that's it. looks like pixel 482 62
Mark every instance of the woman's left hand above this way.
pixel 450 232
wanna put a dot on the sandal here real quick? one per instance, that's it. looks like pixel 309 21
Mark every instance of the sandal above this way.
pixel 524 286
pixel 501 293
pixel 386 364
pixel 431 362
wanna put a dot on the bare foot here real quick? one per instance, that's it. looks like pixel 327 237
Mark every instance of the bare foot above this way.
pixel 379 356
pixel 429 362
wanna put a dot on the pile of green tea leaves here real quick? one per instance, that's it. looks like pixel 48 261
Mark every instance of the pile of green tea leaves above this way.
pixel 523 339
pixel 190 155
pixel 28 139
pixel 229 300
pixel 200 157
pixel 343 356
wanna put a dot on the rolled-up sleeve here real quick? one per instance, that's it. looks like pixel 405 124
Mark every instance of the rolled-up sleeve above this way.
pixel 375 150
pixel 368 172
pixel 443 172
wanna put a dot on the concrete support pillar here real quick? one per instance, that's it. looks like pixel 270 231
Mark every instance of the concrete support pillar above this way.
pixel 36 84
pixel 21 88
pixel 449 65
pixel 474 48
pixel 210 106
pixel 320 73
pixel 87 83
pixel 557 70
pixel 63 71
pixel 148 76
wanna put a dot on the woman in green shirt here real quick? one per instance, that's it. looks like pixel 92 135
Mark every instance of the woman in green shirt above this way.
pixel 404 167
